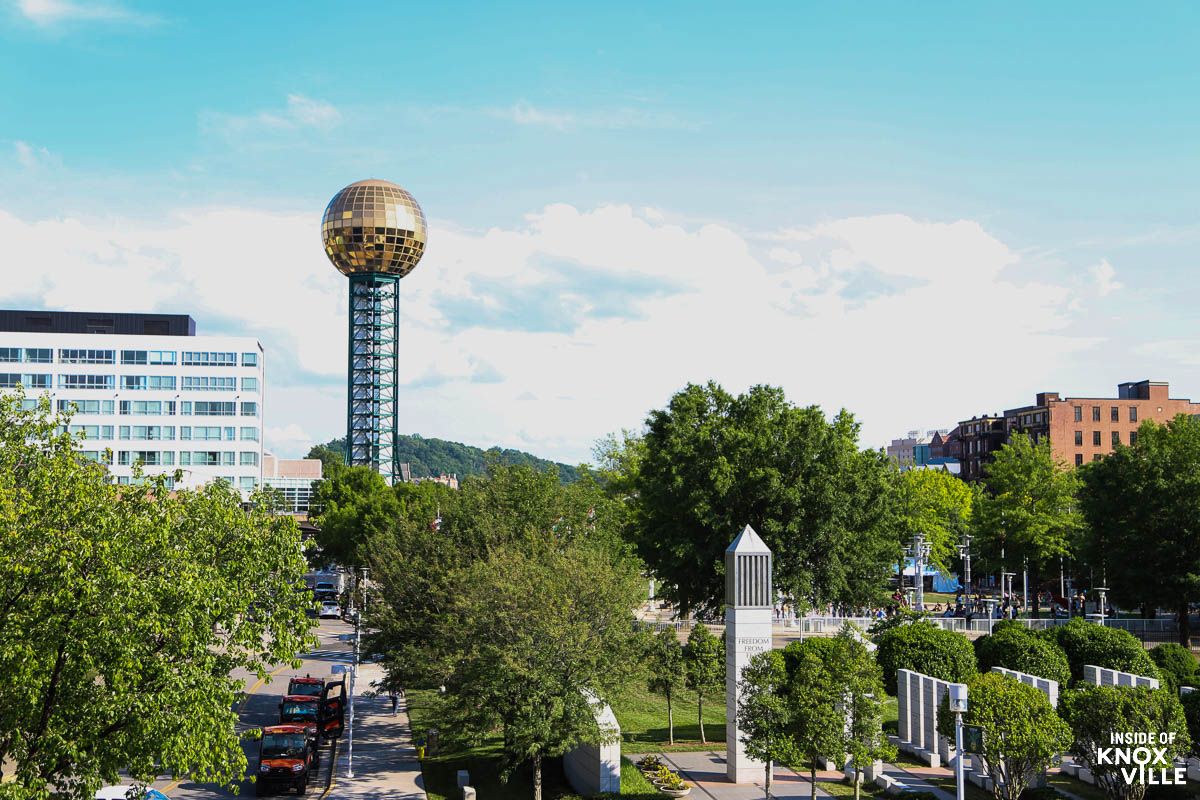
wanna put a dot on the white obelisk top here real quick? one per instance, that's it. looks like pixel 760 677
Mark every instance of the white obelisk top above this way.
pixel 748 542
pixel 748 572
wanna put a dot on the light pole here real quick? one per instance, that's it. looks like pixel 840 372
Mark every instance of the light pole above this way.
pixel 1025 585
pixel 964 550
pixel 958 704
pixel 353 675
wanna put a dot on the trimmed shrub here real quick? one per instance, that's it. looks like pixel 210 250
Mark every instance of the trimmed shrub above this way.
pixel 925 648
pixel 1176 663
pixel 1191 713
pixel 1013 646
pixel 1088 643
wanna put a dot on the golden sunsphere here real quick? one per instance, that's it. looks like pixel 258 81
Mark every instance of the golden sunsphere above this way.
pixel 374 226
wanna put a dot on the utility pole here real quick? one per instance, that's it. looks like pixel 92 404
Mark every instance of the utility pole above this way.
pixel 964 550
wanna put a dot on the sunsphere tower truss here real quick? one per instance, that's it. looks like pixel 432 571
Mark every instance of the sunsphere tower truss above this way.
pixel 374 233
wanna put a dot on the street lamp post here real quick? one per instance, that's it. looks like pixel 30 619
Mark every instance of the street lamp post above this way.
pixel 958 704
pixel 353 675
pixel 1025 586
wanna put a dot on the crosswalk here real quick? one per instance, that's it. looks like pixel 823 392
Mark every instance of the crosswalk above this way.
pixel 331 655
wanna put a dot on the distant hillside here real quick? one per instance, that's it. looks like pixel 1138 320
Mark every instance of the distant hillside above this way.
pixel 431 457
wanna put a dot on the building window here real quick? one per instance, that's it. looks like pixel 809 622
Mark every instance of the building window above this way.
pixel 249 359
pixel 249 434
pixel 1133 413
pixel 209 383
pixel 1078 459
pixel 1079 438
pixel 11 380
pixel 1097 457
pixel 159 382
pixel 39 355
pixel 86 406
pixel 246 483
pixel 151 357
pixel 74 356
pixel 133 357
pixel 147 407
pixel 86 382
pixel 1116 437
pixel 249 384
pixel 196 359
pixel 248 458
pixel 249 409
pixel 209 408
pixel 10 355
pixel 1095 413
pixel 1115 414
pixel 1079 413
pixel 1132 438
pixel 1095 438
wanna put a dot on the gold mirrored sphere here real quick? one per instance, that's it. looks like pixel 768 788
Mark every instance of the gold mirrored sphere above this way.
pixel 374 226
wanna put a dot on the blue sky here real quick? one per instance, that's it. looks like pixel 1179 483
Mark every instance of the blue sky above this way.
pixel 856 201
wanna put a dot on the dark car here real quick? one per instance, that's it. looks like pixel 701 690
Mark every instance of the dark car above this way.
pixel 287 758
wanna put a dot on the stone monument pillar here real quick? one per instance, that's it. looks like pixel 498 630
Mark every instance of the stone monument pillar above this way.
pixel 748 599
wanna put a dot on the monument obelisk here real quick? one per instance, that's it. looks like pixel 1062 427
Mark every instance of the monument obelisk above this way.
pixel 748 600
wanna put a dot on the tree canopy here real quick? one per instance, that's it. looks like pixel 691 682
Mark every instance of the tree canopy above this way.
pixel 1025 510
pixel 1142 505
pixel 123 611
pixel 936 505
pixel 712 463
pixel 1013 646
pixel 1087 643
pixel 925 648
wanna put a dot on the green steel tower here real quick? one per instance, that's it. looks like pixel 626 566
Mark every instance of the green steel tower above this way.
pixel 374 233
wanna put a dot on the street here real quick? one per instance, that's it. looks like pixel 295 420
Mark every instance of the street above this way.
pixel 261 707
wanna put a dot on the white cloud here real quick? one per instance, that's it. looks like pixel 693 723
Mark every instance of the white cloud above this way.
pixel 601 315
pixel 300 114
pixel 1103 273
pixel 290 439
pixel 50 12
pixel 33 157
pixel 622 118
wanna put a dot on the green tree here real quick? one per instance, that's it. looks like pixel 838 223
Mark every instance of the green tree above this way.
pixel 813 695
pixel 863 696
pixel 618 459
pixel 1025 510
pixel 332 455
pixel 123 611
pixel 925 648
pixel 713 463
pixel 704 666
pixel 1087 643
pixel 1142 505
pixel 351 506
pixel 1013 646
pixel 1176 664
pixel 1191 714
pixel 1096 712
pixel 664 660
pixel 764 714
pixel 1022 734
pixel 541 629
pixel 936 505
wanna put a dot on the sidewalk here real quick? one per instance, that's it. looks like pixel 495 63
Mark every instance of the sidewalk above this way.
pixel 705 770
pixel 385 761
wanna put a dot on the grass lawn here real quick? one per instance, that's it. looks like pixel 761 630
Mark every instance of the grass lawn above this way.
pixel 1066 783
pixel 643 719
pixel 843 789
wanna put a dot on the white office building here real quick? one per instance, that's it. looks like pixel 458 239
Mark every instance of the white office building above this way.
pixel 144 388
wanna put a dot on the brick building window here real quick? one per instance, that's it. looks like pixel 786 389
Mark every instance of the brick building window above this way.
pixel 1079 438
pixel 1079 413
pixel 1095 438
pixel 1095 413
pixel 1097 457
pixel 1116 414
pixel 1132 438
pixel 1079 459
pixel 1133 413
pixel 1116 437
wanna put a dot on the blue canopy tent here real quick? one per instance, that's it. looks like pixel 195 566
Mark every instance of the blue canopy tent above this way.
pixel 941 583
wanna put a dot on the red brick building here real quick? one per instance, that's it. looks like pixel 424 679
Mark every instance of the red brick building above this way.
pixel 1080 429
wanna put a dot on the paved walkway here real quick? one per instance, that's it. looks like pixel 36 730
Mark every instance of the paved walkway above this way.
pixel 385 760
pixel 705 770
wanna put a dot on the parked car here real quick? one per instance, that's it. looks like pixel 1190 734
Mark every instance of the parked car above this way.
pixel 330 608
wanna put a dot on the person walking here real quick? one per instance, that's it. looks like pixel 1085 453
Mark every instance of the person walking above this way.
pixel 395 701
